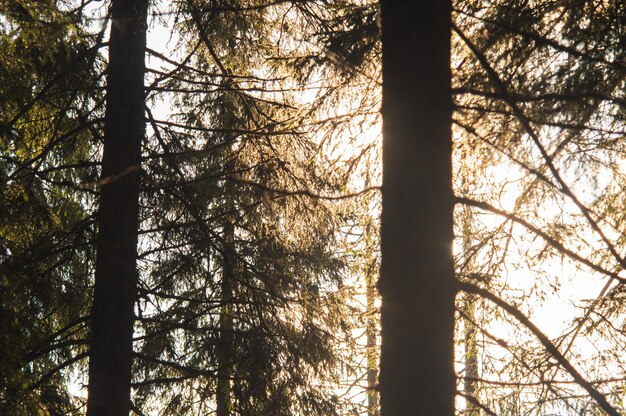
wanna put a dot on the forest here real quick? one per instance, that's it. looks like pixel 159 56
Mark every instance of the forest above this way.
pixel 194 218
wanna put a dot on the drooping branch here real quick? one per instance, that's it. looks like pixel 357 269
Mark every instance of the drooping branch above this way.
pixel 548 160
pixel 554 243
pixel 599 398
pixel 542 40
pixel 473 400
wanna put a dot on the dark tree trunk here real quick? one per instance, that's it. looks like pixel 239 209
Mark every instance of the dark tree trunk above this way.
pixel 224 347
pixel 112 315
pixel 417 282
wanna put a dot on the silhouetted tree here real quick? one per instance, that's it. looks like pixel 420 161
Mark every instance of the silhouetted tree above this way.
pixel 417 282
pixel 116 275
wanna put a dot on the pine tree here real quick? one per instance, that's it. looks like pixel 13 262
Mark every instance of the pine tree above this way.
pixel 239 249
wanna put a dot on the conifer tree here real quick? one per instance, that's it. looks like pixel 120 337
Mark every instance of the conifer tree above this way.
pixel 48 105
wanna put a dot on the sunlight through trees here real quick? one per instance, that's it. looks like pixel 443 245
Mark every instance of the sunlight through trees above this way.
pixel 194 217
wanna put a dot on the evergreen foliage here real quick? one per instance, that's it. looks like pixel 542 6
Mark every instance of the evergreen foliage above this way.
pixel 48 84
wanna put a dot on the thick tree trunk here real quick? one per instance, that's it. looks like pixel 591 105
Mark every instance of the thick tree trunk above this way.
pixel 417 282
pixel 112 314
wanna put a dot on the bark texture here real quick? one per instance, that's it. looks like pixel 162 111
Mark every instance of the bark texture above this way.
pixel 112 315
pixel 417 282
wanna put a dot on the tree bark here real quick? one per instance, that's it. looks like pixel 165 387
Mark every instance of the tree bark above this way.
pixel 112 315
pixel 470 383
pixel 470 378
pixel 371 320
pixel 224 347
pixel 417 281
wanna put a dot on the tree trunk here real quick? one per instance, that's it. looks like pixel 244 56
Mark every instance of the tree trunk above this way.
pixel 371 313
pixel 470 379
pixel 224 346
pixel 417 282
pixel 112 315
pixel 370 331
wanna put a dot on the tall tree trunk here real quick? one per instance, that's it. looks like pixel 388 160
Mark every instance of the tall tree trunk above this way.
pixel 371 313
pixel 112 315
pixel 371 338
pixel 417 282
pixel 224 346
pixel 470 379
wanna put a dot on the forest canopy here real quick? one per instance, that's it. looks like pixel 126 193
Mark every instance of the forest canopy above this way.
pixel 194 217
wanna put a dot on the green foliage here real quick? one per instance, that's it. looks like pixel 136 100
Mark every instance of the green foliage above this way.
pixel 47 80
